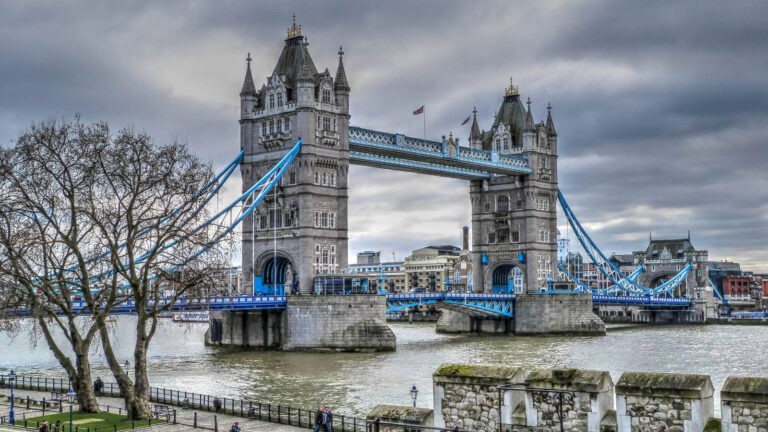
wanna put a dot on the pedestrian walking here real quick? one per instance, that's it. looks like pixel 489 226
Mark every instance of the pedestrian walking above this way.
pixel 98 386
pixel 235 427
pixel 216 404
pixel 324 420
pixel 44 427
pixel 57 426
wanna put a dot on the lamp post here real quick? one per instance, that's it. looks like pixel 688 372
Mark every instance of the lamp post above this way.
pixel 414 394
pixel 11 379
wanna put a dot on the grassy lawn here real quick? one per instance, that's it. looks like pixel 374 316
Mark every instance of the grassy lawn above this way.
pixel 86 422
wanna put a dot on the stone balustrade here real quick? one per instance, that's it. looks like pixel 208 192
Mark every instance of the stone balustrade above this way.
pixel 469 397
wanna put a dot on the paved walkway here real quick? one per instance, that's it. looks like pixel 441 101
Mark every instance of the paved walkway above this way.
pixel 205 420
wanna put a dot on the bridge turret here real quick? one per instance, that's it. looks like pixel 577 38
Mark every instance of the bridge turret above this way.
pixel 551 132
pixel 529 131
pixel 475 137
pixel 340 85
pixel 248 105
pixel 305 85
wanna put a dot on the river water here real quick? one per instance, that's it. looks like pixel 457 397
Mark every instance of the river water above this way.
pixel 354 383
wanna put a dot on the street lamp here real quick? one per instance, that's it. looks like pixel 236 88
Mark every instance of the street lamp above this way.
pixel 11 379
pixel 414 394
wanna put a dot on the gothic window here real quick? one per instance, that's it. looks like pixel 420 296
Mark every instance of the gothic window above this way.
pixel 332 220
pixel 279 99
pixel 326 123
pixel 263 128
pixel 279 125
pixel 317 248
pixel 506 144
pixel 519 204
pixel 263 222
pixel 333 249
pixel 323 178
pixel 326 96
pixel 544 236
pixel 332 179
pixel 515 236
pixel 542 204
pixel 334 124
pixel 324 219
pixel 271 101
pixel 292 177
pixel 287 218
pixel 503 235
pixel 325 256
pixel 487 206
pixel 498 144
pixel 320 122
pixel 491 238
pixel 287 123
pixel 502 203
pixel 317 177
pixel 271 127
pixel 317 219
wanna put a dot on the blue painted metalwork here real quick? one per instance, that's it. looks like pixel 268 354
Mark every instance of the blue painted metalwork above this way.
pixel 415 154
pixel 412 165
pixel 582 287
pixel 608 268
pixel 496 304
pixel 624 300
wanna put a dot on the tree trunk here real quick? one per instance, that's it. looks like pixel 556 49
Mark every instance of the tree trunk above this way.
pixel 82 384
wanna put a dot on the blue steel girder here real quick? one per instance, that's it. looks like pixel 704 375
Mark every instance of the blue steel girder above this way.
pixel 493 304
pixel 394 150
pixel 632 300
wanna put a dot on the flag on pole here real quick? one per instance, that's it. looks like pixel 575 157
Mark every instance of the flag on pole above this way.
pixel 419 111
pixel 466 120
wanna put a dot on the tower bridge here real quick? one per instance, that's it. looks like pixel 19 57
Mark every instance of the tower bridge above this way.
pixel 300 230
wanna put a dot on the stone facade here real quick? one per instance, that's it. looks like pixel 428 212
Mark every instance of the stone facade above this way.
pixel 337 323
pixel 257 329
pixel 744 404
pixel 514 218
pixel 556 313
pixel 305 218
pixel 650 402
pixel 415 416
pixel 466 396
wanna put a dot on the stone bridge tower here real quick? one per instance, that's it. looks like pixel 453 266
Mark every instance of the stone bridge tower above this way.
pixel 514 218
pixel 301 229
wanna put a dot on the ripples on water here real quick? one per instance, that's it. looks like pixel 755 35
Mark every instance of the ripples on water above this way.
pixel 356 382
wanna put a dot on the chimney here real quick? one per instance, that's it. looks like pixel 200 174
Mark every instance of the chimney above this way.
pixel 465 236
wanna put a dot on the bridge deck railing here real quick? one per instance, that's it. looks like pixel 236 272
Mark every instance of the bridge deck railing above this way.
pixel 258 410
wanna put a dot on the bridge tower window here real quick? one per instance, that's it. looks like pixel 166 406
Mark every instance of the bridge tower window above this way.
pixel 326 96
pixel 515 236
pixel 279 125
pixel 271 101
pixel 288 123
pixel 271 127
pixel 502 203
pixel 279 99
pixel 263 128
pixel 506 144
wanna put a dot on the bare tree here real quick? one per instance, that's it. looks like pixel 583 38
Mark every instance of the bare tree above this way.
pixel 47 246
pixel 144 236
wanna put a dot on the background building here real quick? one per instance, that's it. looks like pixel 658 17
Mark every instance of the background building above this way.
pixel 369 257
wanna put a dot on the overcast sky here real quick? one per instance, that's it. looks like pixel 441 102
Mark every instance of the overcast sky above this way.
pixel 661 107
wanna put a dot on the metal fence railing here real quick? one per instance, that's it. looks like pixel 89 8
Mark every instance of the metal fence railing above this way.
pixel 199 402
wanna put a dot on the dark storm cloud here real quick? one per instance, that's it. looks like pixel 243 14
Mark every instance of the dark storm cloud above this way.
pixel 660 107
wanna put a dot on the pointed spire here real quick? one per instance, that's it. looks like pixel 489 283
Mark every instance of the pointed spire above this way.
pixel 529 116
pixel 248 88
pixel 475 131
pixel 306 74
pixel 340 83
pixel 550 123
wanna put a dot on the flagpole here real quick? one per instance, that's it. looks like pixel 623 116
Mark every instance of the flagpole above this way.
pixel 424 117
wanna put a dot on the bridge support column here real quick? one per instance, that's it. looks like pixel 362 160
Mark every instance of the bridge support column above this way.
pixel 457 322
pixel 556 313
pixel 257 329
pixel 337 323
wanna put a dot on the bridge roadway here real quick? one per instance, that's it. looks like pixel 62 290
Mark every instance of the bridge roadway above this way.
pixel 487 304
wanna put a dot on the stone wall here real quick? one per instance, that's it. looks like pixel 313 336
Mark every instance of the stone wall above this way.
pixel 452 321
pixel 556 313
pixel 744 404
pixel 257 329
pixel 649 402
pixel 399 414
pixel 466 396
pixel 337 323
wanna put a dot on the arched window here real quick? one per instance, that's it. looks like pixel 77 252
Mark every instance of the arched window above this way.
pixel 279 99
pixel 506 144
pixel 271 127
pixel 279 125
pixel 502 203
pixel 498 144
pixel 271 101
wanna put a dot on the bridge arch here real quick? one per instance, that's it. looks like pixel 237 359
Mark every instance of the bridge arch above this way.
pixel 654 279
pixel 507 277
pixel 275 274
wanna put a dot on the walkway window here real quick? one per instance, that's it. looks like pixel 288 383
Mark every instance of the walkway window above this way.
pixel 502 203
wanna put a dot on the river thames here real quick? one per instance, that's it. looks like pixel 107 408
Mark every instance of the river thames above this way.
pixel 354 383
